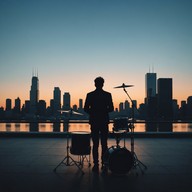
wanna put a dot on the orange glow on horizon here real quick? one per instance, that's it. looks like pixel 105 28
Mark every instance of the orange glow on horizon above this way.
pixel 118 97
pixel 79 89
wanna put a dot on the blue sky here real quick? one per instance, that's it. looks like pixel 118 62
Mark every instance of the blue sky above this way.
pixel 71 42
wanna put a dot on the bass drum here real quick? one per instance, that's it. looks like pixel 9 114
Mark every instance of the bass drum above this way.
pixel 119 160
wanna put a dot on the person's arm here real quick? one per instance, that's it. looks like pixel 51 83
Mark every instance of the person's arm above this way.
pixel 87 104
pixel 110 107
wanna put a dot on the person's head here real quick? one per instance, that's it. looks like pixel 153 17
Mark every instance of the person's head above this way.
pixel 99 81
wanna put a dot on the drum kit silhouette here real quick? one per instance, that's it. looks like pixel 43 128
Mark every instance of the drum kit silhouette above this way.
pixel 118 159
pixel 80 145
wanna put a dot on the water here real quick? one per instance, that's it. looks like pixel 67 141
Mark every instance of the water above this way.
pixel 80 126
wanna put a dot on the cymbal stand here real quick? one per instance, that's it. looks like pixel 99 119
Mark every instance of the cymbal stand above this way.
pixel 136 162
pixel 68 160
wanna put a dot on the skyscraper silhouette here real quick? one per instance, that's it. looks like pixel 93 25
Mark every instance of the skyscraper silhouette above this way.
pixel 80 104
pixel 17 107
pixel 66 101
pixel 151 100
pixel 34 95
pixel 150 84
pixel 165 108
pixel 57 100
pixel 42 108
pixel 8 105
pixel 189 107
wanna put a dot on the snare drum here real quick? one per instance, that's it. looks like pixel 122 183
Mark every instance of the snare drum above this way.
pixel 120 123
pixel 80 143
pixel 119 160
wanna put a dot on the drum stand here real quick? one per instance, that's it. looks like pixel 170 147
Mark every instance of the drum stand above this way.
pixel 136 162
pixel 68 160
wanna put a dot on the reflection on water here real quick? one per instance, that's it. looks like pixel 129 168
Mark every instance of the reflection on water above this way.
pixel 165 127
pixel 70 127
pixel 8 126
pixel 66 126
pixel 151 127
pixel 159 127
pixel 56 127
pixel 34 127
pixel 17 127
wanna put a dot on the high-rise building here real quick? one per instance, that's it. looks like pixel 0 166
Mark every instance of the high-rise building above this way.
pixel 66 101
pixel 134 108
pixel 42 108
pixel 50 109
pixel 57 100
pixel 150 100
pixel 34 95
pixel 183 110
pixel 150 84
pixel 189 107
pixel 175 109
pixel 75 107
pixel 17 107
pixel 121 108
pixel 127 105
pixel 127 108
pixel 165 107
pixel 134 104
pixel 27 106
pixel 183 103
pixel 80 104
pixel 8 105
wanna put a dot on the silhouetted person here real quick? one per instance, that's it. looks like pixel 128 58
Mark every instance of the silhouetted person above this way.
pixel 98 104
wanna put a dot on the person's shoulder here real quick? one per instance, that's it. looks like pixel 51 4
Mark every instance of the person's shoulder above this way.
pixel 91 93
pixel 106 92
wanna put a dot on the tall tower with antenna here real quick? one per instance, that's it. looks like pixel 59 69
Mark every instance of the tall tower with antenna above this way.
pixel 151 92
pixel 151 83
pixel 34 93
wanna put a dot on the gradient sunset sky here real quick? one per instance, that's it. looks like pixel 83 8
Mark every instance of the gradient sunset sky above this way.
pixel 71 42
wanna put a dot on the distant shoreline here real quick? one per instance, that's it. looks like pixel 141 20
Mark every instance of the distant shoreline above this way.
pixel 86 121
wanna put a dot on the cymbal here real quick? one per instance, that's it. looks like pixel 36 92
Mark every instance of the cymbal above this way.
pixel 77 113
pixel 70 111
pixel 123 86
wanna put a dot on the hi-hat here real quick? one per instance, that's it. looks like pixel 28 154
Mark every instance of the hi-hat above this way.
pixel 123 86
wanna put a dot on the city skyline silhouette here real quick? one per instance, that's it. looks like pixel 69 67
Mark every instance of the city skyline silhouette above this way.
pixel 158 104
pixel 35 75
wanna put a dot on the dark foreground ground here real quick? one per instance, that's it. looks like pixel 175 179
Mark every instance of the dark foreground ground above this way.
pixel 27 164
